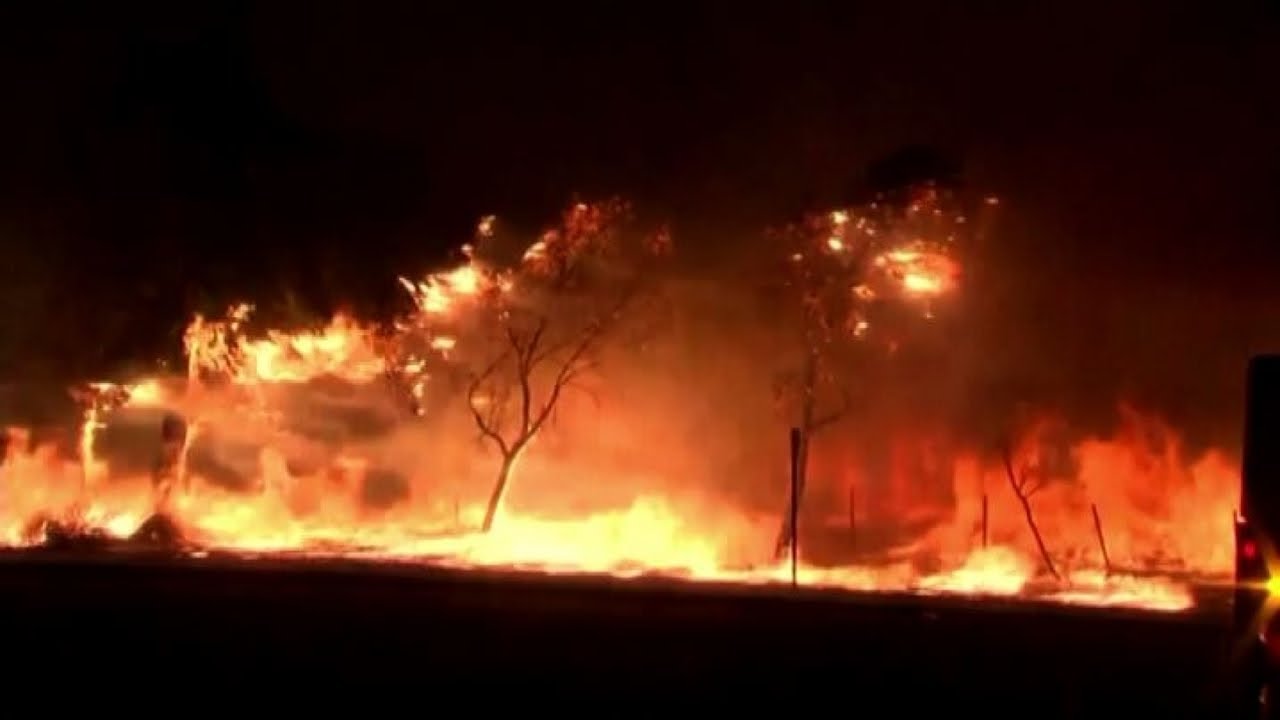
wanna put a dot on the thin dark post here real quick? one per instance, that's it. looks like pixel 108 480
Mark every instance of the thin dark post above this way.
pixel 1102 541
pixel 984 519
pixel 795 501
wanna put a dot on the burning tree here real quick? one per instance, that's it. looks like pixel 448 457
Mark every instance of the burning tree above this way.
pixel 848 271
pixel 521 331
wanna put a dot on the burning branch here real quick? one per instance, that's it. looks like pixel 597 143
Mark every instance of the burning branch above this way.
pixel 1025 485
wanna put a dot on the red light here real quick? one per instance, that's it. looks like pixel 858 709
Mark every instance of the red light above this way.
pixel 1249 549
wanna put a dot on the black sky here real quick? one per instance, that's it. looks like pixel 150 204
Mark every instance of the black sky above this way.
pixel 156 156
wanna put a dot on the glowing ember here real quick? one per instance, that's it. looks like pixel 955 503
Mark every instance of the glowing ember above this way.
pixel 298 442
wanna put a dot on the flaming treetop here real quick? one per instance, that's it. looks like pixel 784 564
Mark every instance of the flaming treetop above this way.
pixel 848 261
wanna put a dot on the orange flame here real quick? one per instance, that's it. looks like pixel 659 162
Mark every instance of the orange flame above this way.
pixel 273 480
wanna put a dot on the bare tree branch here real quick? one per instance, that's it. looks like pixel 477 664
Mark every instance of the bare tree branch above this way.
pixel 582 367
pixel 1031 481
pixel 487 426
pixel 558 384
pixel 513 339
pixel 1017 482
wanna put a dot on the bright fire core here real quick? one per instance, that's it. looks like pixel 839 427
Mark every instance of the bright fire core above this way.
pixel 505 422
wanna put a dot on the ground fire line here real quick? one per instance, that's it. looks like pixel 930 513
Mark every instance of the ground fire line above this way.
pixel 474 431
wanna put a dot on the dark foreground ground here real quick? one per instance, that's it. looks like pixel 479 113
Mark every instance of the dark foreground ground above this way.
pixel 313 628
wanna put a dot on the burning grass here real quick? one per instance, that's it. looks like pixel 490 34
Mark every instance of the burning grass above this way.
pixel 540 407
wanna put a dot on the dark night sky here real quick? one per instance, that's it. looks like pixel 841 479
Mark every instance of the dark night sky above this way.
pixel 152 152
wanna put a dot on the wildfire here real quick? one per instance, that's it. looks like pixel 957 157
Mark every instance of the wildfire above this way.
pixel 326 464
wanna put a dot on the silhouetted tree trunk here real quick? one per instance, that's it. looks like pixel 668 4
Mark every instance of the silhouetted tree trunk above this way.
pixel 1023 488
pixel 499 489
